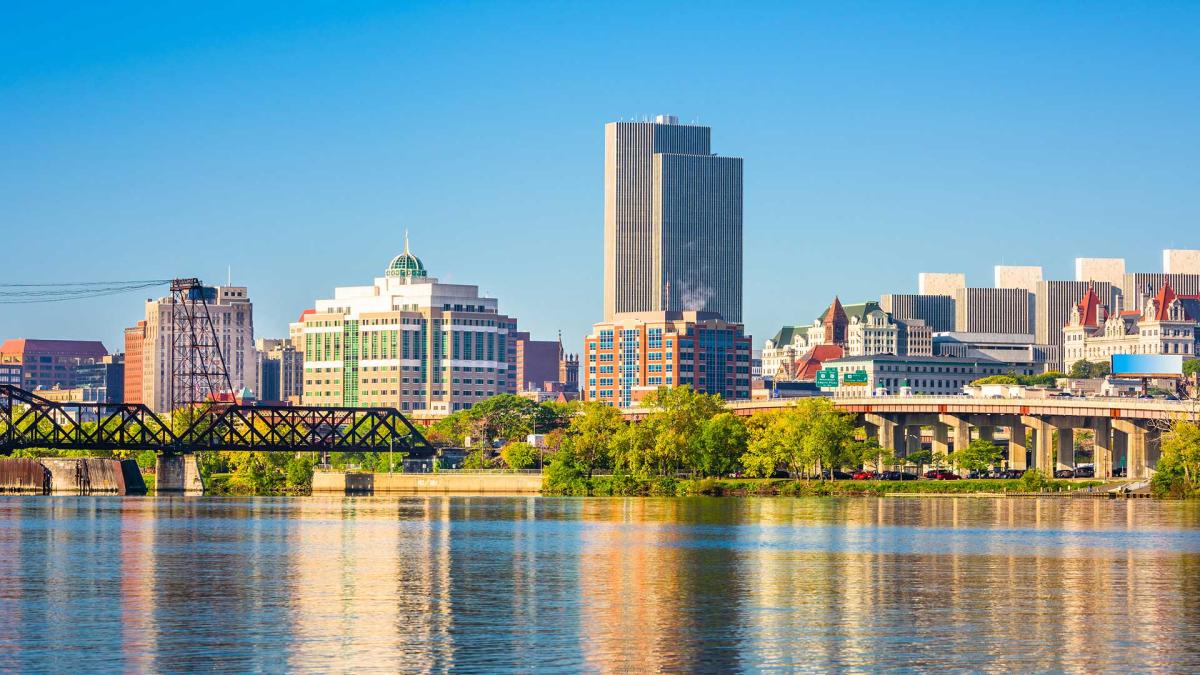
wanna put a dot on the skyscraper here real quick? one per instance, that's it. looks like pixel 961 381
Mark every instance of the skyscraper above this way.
pixel 672 220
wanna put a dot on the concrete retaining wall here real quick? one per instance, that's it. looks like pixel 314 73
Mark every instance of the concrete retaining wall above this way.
pixel 334 482
pixel 85 475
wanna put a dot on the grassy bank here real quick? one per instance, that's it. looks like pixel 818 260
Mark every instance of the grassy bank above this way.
pixel 671 487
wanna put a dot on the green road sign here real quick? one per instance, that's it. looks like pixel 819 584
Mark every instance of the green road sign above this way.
pixel 827 377
pixel 857 377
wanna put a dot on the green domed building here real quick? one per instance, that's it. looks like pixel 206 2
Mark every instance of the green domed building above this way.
pixel 406 265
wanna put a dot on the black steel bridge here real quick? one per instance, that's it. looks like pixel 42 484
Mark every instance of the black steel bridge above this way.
pixel 31 421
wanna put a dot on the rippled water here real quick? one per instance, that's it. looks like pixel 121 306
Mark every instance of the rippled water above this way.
pixel 489 584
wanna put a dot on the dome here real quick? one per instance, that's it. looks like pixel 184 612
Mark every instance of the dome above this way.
pixel 406 265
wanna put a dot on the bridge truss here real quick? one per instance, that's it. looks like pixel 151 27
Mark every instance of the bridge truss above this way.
pixel 30 421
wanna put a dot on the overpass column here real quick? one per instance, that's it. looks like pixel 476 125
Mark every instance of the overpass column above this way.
pixel 987 433
pixel 1017 445
pixel 1066 444
pixel 912 438
pixel 1135 447
pixel 887 432
pixel 1043 450
pixel 1102 458
pixel 941 438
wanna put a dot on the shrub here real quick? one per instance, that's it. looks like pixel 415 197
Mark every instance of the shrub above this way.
pixel 1034 481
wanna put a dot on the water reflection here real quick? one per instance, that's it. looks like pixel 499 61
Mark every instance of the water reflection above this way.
pixel 486 584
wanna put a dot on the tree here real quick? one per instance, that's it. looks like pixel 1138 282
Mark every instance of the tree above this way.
pixel 591 433
pixel 920 457
pixel 675 421
pixel 299 472
pixel 978 455
pixel 1181 448
pixel 1083 369
pixel 996 379
pixel 1191 367
pixel 722 440
pixel 806 438
pixel 518 455
pixel 506 417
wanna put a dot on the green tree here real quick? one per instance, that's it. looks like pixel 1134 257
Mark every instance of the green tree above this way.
pixel 721 441
pixel 518 455
pixel 996 379
pixel 978 455
pixel 806 438
pixel 506 417
pixel 677 415
pixel 1191 367
pixel 591 434
pixel 1084 369
pixel 299 472
pixel 919 457
pixel 1181 448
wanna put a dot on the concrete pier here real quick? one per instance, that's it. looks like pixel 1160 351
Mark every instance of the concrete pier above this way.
pixel 336 482
pixel 71 475
pixel 179 474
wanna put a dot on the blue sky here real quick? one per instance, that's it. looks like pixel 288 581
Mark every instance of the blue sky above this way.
pixel 295 142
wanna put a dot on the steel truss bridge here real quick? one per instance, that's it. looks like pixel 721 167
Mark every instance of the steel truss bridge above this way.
pixel 30 421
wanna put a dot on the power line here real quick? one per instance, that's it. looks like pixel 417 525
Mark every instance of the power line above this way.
pixel 23 294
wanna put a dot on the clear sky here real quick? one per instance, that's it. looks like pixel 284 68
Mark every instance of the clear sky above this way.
pixel 296 142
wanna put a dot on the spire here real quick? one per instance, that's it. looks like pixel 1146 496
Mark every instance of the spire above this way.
pixel 406 240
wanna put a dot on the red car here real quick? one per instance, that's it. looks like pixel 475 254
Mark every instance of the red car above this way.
pixel 864 475
pixel 942 474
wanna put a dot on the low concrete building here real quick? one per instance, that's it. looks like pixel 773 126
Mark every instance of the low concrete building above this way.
pixel 884 375
pixel 1008 347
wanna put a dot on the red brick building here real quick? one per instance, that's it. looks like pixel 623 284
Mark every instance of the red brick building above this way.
pixel 135 337
pixel 47 364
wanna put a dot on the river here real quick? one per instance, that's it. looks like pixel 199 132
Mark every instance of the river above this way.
pixel 492 584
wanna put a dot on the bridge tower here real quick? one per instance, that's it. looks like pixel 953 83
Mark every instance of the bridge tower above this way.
pixel 198 368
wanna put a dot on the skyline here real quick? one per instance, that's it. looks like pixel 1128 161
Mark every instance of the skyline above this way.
pixel 1072 131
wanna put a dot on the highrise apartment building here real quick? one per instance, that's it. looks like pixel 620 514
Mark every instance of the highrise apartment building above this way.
pixel 232 316
pixel 672 220
pixel 993 310
pixel 407 342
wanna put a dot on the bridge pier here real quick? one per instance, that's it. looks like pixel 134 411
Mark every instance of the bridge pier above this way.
pixel 1018 445
pixel 178 474
pixel 1043 451
pixel 987 433
pixel 1102 449
pixel 1066 443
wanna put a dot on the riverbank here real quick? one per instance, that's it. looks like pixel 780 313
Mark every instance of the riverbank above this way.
pixel 783 487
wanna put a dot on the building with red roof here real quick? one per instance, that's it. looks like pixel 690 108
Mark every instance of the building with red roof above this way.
pixel 1166 324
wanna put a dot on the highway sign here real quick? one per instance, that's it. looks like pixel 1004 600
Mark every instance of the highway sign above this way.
pixel 827 377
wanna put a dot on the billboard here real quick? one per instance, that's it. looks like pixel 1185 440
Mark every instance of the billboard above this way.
pixel 1147 365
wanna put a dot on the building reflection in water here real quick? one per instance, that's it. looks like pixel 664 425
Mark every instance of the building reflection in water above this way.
pixel 438 583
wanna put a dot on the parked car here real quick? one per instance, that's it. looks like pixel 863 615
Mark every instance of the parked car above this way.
pixel 942 474
pixel 837 475
pixel 898 475
pixel 781 474
pixel 864 475
pixel 1085 472
pixel 1012 473
pixel 1064 473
